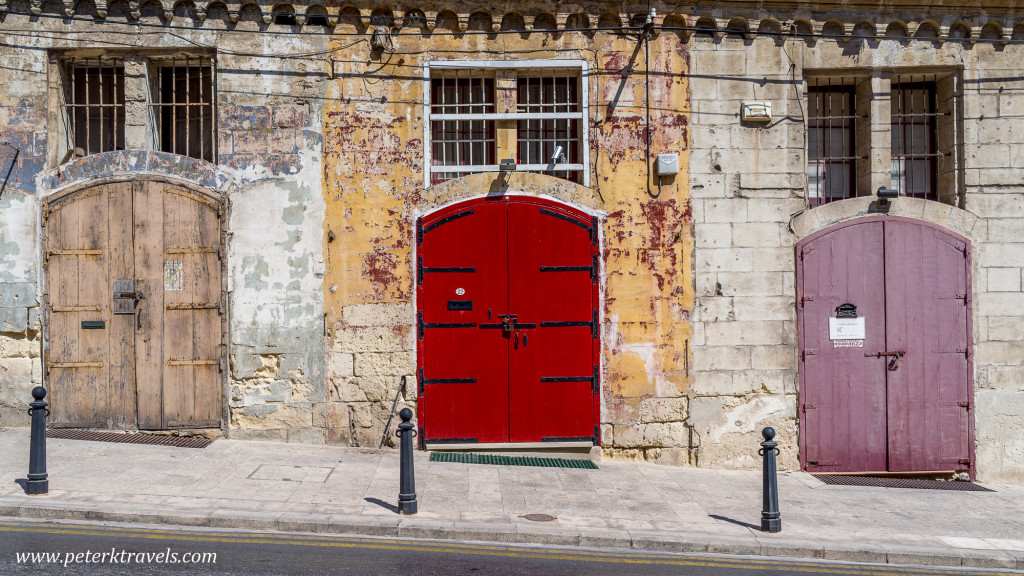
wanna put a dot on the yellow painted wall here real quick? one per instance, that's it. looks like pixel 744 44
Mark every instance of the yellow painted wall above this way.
pixel 373 187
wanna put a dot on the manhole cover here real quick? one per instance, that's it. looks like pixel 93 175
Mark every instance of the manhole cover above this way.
pixel 889 482
pixel 539 517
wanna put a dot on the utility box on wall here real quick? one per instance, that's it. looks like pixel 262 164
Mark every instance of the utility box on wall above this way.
pixel 668 164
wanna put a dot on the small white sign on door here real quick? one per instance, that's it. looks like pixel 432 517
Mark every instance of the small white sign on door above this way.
pixel 846 329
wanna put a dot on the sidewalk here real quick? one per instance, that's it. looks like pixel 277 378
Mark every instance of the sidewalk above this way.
pixel 270 486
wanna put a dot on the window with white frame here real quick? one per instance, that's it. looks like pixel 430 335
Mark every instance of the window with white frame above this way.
pixel 860 127
pixel 530 112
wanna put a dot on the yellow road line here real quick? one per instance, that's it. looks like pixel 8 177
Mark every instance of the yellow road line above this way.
pixel 455 548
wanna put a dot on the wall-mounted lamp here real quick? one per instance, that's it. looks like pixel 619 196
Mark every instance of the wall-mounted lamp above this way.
pixel 884 195
pixel 507 165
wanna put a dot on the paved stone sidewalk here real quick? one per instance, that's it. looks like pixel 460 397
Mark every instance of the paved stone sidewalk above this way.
pixel 303 488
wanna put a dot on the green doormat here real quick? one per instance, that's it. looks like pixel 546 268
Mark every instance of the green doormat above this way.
pixel 510 460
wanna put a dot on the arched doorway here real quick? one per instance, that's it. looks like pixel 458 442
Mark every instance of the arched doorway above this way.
pixel 134 306
pixel 884 313
pixel 507 323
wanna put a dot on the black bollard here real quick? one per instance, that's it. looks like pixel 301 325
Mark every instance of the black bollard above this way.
pixel 771 520
pixel 406 476
pixel 37 483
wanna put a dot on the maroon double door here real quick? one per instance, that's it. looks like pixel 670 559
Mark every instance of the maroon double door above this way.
pixel 507 327
pixel 899 400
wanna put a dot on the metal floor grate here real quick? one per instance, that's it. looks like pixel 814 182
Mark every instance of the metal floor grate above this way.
pixel 465 458
pixel 177 441
pixel 890 482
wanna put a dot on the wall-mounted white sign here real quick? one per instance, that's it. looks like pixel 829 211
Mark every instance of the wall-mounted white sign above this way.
pixel 846 329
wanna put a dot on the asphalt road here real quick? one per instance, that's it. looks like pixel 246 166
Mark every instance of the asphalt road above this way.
pixel 89 548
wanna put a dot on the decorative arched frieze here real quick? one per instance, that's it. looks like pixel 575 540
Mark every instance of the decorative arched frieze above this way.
pixel 938 26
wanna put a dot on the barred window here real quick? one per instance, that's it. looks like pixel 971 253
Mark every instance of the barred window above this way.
pixel 183 107
pixel 914 167
pixel 552 137
pixel 831 150
pixel 529 113
pixel 465 141
pixel 94 105
pixel 863 126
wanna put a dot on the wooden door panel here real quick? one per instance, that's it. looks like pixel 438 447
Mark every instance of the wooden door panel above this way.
pixel 192 324
pixel 843 394
pixel 149 264
pixel 926 311
pixel 462 290
pixel 552 289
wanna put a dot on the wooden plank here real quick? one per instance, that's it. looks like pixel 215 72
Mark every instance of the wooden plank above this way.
pixel 179 379
pixel 148 257
pixel 205 276
pixel 121 331
pixel 93 274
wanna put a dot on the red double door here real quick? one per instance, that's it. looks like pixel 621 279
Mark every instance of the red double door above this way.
pixel 507 327
pixel 897 400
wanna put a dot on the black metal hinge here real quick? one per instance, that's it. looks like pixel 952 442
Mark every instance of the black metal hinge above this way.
pixel 965 405
pixel 420 385
pixel 421 326
pixel 593 269
pixel 423 439
pixel 595 383
pixel 421 270
pixel 593 230
pixel 597 434
pixel 594 326
pixel 419 231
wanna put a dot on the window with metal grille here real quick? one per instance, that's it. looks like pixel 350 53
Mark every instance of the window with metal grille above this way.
pixel 460 138
pixel 94 105
pixel 831 150
pixel 914 169
pixel 483 114
pixel 183 107
pixel 552 135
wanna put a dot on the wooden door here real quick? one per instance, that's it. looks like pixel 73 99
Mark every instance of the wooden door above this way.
pixel 899 401
pixel 158 364
pixel 506 323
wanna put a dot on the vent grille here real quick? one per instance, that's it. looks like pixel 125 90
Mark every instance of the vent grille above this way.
pixel 888 482
pixel 466 458
pixel 176 441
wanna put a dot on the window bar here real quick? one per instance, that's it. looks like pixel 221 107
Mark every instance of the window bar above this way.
pixel 202 111
pixel 174 104
pixel 72 109
pixel 188 107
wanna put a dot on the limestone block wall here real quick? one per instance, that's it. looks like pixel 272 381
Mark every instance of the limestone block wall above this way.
pixel 748 186
pixel 269 166
pixel 23 142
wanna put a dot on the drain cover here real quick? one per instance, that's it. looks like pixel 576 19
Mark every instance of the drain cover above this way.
pixel 177 441
pixel 888 482
pixel 466 458
pixel 539 517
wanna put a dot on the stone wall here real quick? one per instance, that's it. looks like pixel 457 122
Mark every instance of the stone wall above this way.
pixel 748 186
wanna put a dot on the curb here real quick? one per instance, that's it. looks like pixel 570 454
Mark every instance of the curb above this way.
pixel 410 527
